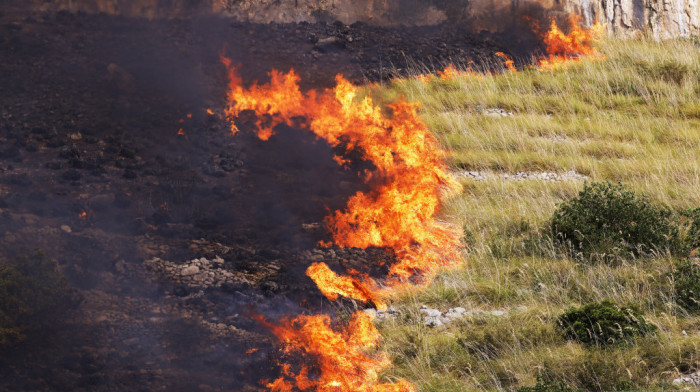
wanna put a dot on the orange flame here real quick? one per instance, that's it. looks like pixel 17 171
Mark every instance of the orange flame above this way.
pixel 507 61
pixel 343 360
pixel 181 132
pixel 332 285
pixel 399 212
pixel 563 48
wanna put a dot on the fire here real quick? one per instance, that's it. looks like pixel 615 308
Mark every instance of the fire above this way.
pixel 181 132
pixel 507 61
pixel 399 212
pixel 342 359
pixel 332 285
pixel 563 48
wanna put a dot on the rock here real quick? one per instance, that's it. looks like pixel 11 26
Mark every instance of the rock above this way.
pixel 66 228
pixel 433 322
pixel 498 313
pixel 191 270
pixel 431 312
pixel 692 379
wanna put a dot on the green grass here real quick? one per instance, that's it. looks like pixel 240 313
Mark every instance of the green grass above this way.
pixel 632 118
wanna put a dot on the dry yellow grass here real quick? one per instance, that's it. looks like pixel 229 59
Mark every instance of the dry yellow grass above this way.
pixel 633 118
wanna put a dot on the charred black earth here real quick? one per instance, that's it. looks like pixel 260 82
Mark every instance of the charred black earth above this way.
pixel 172 241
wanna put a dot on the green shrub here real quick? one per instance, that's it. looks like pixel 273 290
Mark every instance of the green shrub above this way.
pixel 603 323
pixel 691 240
pixel 606 218
pixel 32 293
pixel 687 285
pixel 546 385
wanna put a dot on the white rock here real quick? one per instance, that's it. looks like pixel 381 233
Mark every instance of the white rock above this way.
pixel 431 312
pixel 433 322
pixel 498 313
pixel 371 312
pixel 66 228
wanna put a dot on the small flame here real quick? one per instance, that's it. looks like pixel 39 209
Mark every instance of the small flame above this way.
pixel 181 132
pixel 332 285
pixel 507 61
pixel 210 112
pixel 251 350
pixel 82 215
pixel 562 49
pixel 332 359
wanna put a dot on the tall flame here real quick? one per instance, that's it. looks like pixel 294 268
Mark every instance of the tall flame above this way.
pixel 399 212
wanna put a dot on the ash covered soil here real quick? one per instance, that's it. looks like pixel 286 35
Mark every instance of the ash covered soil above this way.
pixel 172 241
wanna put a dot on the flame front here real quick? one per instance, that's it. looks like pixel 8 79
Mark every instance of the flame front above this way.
pixel 398 212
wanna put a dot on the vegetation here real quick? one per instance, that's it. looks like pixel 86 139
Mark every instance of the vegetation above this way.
pixel 605 219
pixel 631 119
pixel 544 385
pixel 604 323
pixel 687 289
pixel 32 294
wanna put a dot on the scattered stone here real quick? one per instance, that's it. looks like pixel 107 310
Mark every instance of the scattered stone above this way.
pixel 496 112
pixel 431 312
pixel 521 176
pixel 692 379
pixel 433 321
pixel 191 270
pixel 66 228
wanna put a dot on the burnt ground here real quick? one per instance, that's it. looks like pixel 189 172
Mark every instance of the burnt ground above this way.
pixel 93 173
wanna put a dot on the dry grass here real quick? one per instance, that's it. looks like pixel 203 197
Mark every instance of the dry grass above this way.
pixel 633 118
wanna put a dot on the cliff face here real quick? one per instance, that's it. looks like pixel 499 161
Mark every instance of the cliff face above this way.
pixel 659 18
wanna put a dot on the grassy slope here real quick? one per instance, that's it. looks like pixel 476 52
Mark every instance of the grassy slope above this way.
pixel 634 118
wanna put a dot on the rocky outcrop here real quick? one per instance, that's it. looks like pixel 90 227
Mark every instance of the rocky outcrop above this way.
pixel 661 19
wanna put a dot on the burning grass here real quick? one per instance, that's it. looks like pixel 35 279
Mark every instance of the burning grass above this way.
pixel 619 119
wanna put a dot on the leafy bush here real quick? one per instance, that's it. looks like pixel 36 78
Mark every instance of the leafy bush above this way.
pixel 546 385
pixel 606 218
pixel 691 240
pixel 687 285
pixel 32 292
pixel 603 323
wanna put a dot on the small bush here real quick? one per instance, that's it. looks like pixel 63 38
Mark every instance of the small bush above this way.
pixel 603 323
pixel 546 385
pixel 32 293
pixel 687 285
pixel 691 240
pixel 606 218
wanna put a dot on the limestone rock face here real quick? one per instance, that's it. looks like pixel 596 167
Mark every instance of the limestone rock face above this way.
pixel 660 19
